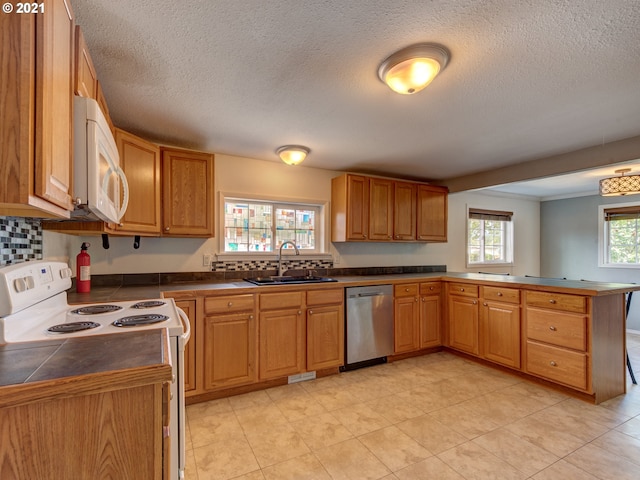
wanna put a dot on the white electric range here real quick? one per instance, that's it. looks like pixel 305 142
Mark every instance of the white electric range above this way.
pixel 33 307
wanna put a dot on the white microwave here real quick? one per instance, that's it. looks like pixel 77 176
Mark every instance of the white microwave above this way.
pixel 100 186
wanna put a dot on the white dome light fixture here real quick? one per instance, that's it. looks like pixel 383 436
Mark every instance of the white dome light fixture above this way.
pixel 413 68
pixel 292 154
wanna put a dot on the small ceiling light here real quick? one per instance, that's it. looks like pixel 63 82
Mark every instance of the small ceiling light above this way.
pixel 411 69
pixel 293 154
pixel 613 186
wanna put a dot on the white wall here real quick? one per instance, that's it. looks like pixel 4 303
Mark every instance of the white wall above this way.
pixel 236 175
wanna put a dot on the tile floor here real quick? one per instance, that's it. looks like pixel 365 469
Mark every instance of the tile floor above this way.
pixel 430 417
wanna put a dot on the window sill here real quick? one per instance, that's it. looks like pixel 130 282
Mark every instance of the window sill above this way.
pixel 241 256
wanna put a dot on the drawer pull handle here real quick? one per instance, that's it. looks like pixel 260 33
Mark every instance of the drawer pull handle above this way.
pixel 310 312
pixel 416 299
pixel 553 364
pixel 462 289
pixel 552 328
pixel 250 317
pixel 230 304
pixel 552 301
pixel 484 304
pixel 430 288
pixel 406 289
pixel 299 312
pixel 475 302
pixel 424 299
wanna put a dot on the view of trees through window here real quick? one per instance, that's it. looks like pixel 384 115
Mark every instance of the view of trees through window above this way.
pixel 623 238
pixel 262 227
pixel 488 237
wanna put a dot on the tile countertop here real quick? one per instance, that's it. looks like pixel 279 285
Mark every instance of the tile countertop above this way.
pixel 203 288
pixel 74 366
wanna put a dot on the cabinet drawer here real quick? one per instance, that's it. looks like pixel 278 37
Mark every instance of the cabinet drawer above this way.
pixel 228 304
pixel 563 329
pixel 280 301
pixel 406 290
pixel 463 289
pixel 557 364
pixel 557 301
pixel 325 297
pixel 499 294
pixel 430 288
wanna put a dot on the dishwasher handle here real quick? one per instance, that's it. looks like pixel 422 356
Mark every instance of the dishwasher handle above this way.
pixel 371 294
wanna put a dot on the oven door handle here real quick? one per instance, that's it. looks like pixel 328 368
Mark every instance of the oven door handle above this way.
pixel 187 326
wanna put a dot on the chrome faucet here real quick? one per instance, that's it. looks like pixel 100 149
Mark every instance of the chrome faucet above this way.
pixel 280 255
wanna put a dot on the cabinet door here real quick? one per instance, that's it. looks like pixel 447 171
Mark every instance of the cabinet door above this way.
pixel 406 324
pixel 190 383
pixel 432 213
pixel 140 161
pixel 187 193
pixel 380 209
pixel 229 350
pixel 325 337
pixel 281 334
pixel 501 333
pixel 85 78
pixel 357 207
pixel 430 318
pixel 404 211
pixel 54 104
pixel 463 323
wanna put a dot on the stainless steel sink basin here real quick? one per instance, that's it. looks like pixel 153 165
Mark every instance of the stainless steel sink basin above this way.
pixel 287 280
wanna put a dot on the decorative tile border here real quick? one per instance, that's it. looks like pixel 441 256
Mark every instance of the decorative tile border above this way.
pixel 20 240
pixel 261 265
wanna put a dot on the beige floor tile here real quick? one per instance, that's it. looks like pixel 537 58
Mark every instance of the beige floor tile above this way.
pixel 255 418
pixel 431 434
pixel 188 444
pixel 517 452
pixel 333 398
pixel 430 469
pixel 248 400
pixel 628 404
pixel 321 431
pixel 298 406
pixel 212 407
pixel 533 391
pixel 257 475
pixel 475 463
pixel 360 419
pixel 190 469
pixel 351 460
pixel 391 476
pixel 620 444
pixel 631 428
pixel 563 470
pixel 552 437
pixel 592 413
pixel 464 420
pixel 306 467
pixel 434 396
pixel 276 443
pixel 214 429
pixel 319 383
pixel 224 460
pixel 571 419
pixel 285 391
pixel 367 389
pixel 394 448
pixel 603 464
pixel 395 409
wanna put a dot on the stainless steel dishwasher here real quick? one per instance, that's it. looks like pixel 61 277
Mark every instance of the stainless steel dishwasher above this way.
pixel 369 325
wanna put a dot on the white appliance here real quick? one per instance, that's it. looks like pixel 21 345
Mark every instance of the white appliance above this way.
pixel 97 176
pixel 33 307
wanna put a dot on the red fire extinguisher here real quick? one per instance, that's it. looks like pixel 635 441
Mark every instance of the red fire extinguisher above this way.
pixel 83 270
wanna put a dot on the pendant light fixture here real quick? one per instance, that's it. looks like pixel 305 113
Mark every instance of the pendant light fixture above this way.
pixel 622 185
pixel 413 68
pixel 292 154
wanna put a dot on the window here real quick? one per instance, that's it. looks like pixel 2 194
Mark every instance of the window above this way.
pixel 619 231
pixel 254 226
pixel 489 237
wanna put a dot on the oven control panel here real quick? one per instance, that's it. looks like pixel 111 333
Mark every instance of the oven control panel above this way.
pixel 27 283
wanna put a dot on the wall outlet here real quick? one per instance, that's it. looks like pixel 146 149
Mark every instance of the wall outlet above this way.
pixel 207 260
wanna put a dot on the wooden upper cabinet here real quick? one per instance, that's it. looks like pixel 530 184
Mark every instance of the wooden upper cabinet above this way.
pixel 36 112
pixel 140 161
pixel 380 209
pixel 349 208
pixel 102 101
pixel 85 78
pixel 187 193
pixel 432 213
pixel 404 211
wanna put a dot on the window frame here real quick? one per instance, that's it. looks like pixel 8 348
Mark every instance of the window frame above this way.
pixel 321 227
pixel 603 236
pixel 509 233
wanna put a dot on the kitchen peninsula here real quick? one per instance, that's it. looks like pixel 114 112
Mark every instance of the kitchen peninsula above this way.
pixel 565 333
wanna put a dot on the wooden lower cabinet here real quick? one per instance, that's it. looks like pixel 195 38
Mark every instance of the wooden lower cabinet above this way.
pixel 190 384
pixel 463 323
pixel 325 328
pixel 282 351
pixel 406 318
pixel 500 327
pixel 430 314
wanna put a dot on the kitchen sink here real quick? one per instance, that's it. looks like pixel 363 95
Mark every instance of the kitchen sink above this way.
pixel 286 280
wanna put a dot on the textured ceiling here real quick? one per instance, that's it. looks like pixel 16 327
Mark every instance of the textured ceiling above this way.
pixel 527 79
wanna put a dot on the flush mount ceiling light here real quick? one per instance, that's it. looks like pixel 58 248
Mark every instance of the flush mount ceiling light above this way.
pixel 613 186
pixel 292 154
pixel 411 69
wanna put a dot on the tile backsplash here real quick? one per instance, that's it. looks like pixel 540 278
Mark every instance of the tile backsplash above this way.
pixel 20 240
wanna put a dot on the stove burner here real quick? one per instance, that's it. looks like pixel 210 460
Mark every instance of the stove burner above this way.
pixel 135 320
pixel 148 304
pixel 72 327
pixel 96 309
